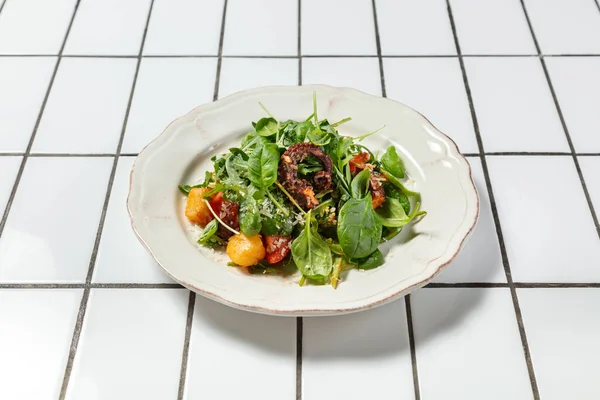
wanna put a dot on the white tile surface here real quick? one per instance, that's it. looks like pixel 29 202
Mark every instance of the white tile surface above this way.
pixel 330 27
pixel 414 27
pixel 37 326
pixel 565 26
pixel 130 345
pixel 233 354
pixel 121 257
pixel 434 87
pixel 358 356
pixel 492 27
pixel 34 26
pixel 180 27
pixel 546 222
pixel 468 345
pixel 590 167
pixel 577 83
pixel 480 260
pixel 514 105
pixel 50 232
pixel 108 27
pixel 86 107
pixel 562 331
pixel 8 171
pixel 359 73
pixel 23 84
pixel 261 27
pixel 166 89
pixel 246 73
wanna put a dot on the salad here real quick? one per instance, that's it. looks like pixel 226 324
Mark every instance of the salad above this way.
pixel 297 195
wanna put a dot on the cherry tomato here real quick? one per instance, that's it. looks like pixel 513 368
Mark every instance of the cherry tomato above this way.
pixel 278 247
pixel 358 160
pixel 216 202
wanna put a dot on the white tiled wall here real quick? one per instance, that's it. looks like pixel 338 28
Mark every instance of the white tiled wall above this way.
pixel 459 338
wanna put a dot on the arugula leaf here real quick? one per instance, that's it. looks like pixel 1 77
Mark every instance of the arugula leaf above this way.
pixel 360 184
pixel 262 165
pixel 311 253
pixel 318 137
pixel 374 260
pixel 209 230
pixel 250 221
pixel 267 127
pixel 392 162
pixel 233 177
pixel 359 229
pixel 342 152
pixel 309 166
pixel 185 189
pixel 391 213
pixel 239 152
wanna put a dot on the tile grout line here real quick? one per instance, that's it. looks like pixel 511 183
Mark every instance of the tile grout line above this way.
pixel 186 345
pixel 299 355
pixel 220 55
pixel 409 325
pixel 299 42
pixel 303 56
pixel 192 300
pixel 299 320
pixel 504 254
pixel 91 286
pixel 432 285
pixel 492 153
pixel 378 45
pixel 563 122
pixel 2 6
pixel 37 122
pixel 86 291
pixel 413 347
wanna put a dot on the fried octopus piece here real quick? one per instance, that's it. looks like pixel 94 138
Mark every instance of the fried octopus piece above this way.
pixel 357 164
pixel 229 214
pixel 300 189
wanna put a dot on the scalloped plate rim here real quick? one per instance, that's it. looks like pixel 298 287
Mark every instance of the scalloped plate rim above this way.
pixel 455 152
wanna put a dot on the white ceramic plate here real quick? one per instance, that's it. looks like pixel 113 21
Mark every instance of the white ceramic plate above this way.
pixel 182 153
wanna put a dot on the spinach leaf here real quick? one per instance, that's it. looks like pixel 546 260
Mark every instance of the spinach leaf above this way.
pixel 359 229
pixel 209 230
pixel 250 222
pixel 392 162
pixel 390 233
pixel 391 213
pixel 311 253
pixel 301 130
pixel 374 260
pixel 360 184
pixel 396 182
pixel 262 165
pixel 393 192
pixel 267 126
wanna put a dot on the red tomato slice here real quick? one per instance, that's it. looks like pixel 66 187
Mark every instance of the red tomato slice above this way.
pixel 278 247
pixel 216 202
pixel 358 160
